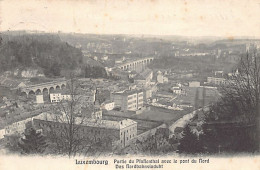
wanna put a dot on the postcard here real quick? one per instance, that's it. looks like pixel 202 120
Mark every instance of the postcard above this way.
pixel 129 84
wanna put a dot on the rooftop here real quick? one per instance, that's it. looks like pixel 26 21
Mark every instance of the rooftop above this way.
pixel 128 92
pixel 144 74
pixel 109 124
pixel 10 83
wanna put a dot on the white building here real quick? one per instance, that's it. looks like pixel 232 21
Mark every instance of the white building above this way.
pixel 59 96
pixel 161 78
pixel 128 132
pixel 108 105
pixel 128 100
pixel 105 58
pixel 216 80
pixel 2 133
pixel 39 99
pixel 194 84
pixel 178 90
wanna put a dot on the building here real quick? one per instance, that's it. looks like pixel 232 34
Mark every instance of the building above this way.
pixel 128 132
pixel 131 100
pixel 178 90
pixel 112 134
pixel 194 84
pixel 216 80
pixel 144 78
pixel 2 133
pixel 105 57
pixel 161 78
pixel 10 83
pixel 97 114
pixel 59 96
pixel 17 127
pixel 108 105
pixel 39 99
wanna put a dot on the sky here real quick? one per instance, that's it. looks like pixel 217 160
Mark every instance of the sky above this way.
pixel 225 18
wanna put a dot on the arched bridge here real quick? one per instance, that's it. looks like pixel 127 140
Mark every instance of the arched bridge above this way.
pixel 44 87
pixel 136 64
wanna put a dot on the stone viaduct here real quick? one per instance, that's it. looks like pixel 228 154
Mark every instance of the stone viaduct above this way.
pixel 44 87
pixel 136 64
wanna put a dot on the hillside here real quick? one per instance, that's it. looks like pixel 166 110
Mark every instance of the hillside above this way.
pixel 39 51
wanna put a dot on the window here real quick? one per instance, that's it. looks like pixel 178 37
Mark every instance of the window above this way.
pixel 130 136
pixel 127 138
pixel 127 131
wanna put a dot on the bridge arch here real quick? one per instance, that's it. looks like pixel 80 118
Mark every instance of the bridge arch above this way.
pixel 51 89
pixel 38 91
pixel 45 90
pixel 63 86
pixel 57 87
pixel 23 94
pixel 31 94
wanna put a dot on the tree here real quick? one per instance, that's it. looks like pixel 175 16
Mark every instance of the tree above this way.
pixel 68 134
pixel 66 139
pixel 227 137
pixel 33 143
pixel 189 143
pixel 236 115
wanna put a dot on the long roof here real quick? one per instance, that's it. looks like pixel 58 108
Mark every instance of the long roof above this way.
pixel 109 124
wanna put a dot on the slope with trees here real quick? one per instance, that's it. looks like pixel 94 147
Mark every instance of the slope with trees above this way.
pixel 233 123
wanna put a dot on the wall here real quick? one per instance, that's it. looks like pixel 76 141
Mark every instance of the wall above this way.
pixel 146 134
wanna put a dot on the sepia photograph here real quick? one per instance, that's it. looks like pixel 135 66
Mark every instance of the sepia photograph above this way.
pixel 129 84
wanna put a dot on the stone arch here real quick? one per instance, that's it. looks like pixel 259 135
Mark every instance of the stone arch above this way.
pixel 51 89
pixel 23 94
pixel 63 86
pixel 45 90
pixel 38 91
pixel 31 92
pixel 57 87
